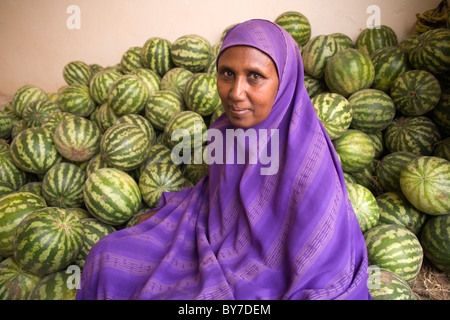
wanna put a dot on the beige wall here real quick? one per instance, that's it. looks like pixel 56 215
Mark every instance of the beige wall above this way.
pixel 35 42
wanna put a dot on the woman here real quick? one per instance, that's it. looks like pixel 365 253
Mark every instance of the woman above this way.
pixel 240 234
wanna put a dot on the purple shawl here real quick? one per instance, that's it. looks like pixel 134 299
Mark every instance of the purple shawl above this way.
pixel 239 234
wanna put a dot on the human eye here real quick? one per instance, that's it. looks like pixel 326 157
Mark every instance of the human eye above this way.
pixel 226 73
pixel 255 76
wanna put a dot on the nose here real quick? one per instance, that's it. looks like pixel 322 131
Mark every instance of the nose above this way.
pixel 238 89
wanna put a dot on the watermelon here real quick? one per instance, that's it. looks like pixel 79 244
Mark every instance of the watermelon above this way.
pixel 16 283
pixel 216 114
pixel 187 126
pixel 76 99
pixel 18 127
pixel 33 150
pixel 297 25
pixel 441 114
pixel 163 105
pixel 349 71
pixel 157 178
pixel 378 142
pixel 442 149
pixel 48 240
pixel 6 123
pixel 435 239
pixel 371 39
pixel 131 59
pixel 54 287
pixel 201 95
pixel 394 248
pixel 334 112
pixel 9 172
pixel 432 52
pixel 96 68
pixel 105 117
pixel 313 86
pixel 96 162
pixel 409 43
pixel 158 154
pixel 386 285
pixel 52 121
pixel 415 134
pixel 140 122
pixel 367 178
pixel 124 146
pixel 355 149
pixel 24 95
pixel 36 112
pixel 33 187
pixel 396 209
pixel 128 94
pixel 94 230
pixel 14 207
pixel 364 204
pixel 191 52
pixel 415 92
pixel 100 84
pixel 5 188
pixel 425 182
pixel 343 41
pixel 373 110
pixel 175 80
pixel 156 55
pixel 151 79
pixel 111 195
pixel 77 138
pixel 389 168
pixel 62 186
pixel 316 54
pixel 77 72
pixel 389 63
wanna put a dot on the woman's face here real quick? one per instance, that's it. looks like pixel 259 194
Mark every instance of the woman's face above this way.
pixel 247 82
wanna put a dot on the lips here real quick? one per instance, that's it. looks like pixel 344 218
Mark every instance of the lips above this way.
pixel 238 111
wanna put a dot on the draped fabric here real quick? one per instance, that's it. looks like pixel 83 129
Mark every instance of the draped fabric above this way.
pixel 239 233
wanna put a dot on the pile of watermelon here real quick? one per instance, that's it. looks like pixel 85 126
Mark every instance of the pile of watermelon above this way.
pixel 86 161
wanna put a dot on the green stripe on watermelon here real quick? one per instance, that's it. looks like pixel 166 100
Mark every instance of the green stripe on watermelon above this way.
pixel 76 99
pixel 16 283
pixel 52 121
pixel 441 114
pixel 77 72
pixel 10 173
pixel 48 240
pixel 435 239
pixel 316 54
pixel 386 285
pixel 425 182
pixel 389 168
pixel 355 149
pixel 128 94
pixel 100 84
pixel 297 25
pixel 37 111
pixel 131 59
pixel 162 106
pixel 156 55
pixel 371 39
pixel 394 248
pixel 187 126
pixel 26 94
pixel 442 149
pixel 140 122
pixel 200 94
pixel 150 78
pixel 191 52
pixel 364 205
pixel 175 80
pixel 55 286
pixel 343 41
pixel 111 195
pixel 106 117
pixel 313 86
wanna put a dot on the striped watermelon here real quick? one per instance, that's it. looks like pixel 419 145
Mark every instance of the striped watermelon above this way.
pixel 200 94
pixel 441 114
pixel 111 195
pixel 131 59
pixel 6 124
pixel 216 114
pixel 334 112
pixel 9 172
pixel 316 54
pixel 16 283
pixel 175 80
pixel 94 230
pixel 389 168
pixel 100 84
pixel 349 71
pixel 163 105
pixel 14 207
pixel 128 94
pixel 313 86
pixel 24 95
pixel 442 149
pixel 425 182
pixel 96 162
pixel 396 209
pixel 140 122
pixel 36 112
pixel 150 78
pixel 394 248
pixel 33 187
pixel 33 150
pixel 355 149
pixel 432 52
pixel 96 68
pixel 76 99
pixel 297 25
pixel 343 41
pixel 364 204
pixel 18 127
pixel 52 121
pixel 157 178
pixel 54 287
pixel 80 213
pixel 371 39
pixel 378 142
pixel 389 63
pixel 373 110
pixel 187 126
pixel 106 117
pixel 158 154
pixel 415 92
pixel 124 146
pixel 62 186
pixel 409 43
pixel 77 72
pixel 367 178
pixel 77 138
pixel 435 239
pixel 386 285
pixel 156 55
pixel 415 134
pixel 48 240
pixel 5 188
pixel 191 52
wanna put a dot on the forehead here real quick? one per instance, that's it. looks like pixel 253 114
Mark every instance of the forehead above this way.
pixel 245 56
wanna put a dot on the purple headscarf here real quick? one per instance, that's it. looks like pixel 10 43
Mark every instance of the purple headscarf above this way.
pixel 239 234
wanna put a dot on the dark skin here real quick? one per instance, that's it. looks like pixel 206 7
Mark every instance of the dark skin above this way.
pixel 247 83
